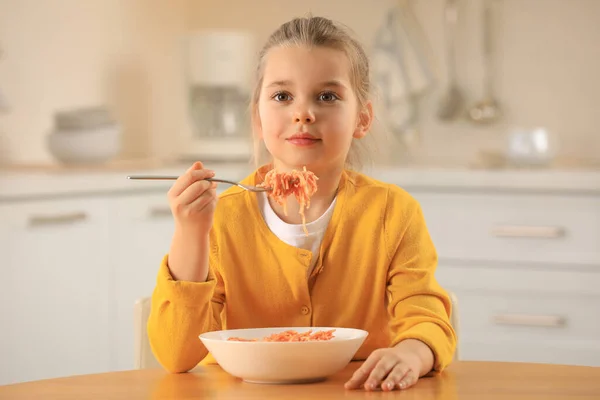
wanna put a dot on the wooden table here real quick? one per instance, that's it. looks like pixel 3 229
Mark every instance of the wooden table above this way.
pixel 462 380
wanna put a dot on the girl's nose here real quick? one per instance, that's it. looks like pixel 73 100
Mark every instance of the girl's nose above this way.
pixel 304 116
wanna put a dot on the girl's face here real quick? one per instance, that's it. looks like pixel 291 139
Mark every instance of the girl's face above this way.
pixel 308 113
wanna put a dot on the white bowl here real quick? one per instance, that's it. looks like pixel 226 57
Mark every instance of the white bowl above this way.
pixel 531 147
pixel 85 146
pixel 283 362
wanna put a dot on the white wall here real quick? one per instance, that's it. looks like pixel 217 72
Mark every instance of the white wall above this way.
pixel 68 53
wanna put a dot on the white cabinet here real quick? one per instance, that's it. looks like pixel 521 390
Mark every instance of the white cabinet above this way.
pixel 515 313
pixel 507 227
pixel 525 268
pixel 72 270
pixel 142 227
pixel 56 279
pixel 141 232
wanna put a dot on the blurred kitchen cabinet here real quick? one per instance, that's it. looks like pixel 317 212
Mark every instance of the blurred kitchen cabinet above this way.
pixel 532 228
pixel 141 232
pixel 56 309
pixel 522 314
pixel 525 268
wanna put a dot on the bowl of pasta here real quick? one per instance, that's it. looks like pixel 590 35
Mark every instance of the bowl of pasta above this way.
pixel 284 355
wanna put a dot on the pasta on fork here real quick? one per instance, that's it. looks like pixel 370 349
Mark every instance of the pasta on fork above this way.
pixel 301 184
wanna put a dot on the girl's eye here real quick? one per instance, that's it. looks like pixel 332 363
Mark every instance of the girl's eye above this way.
pixel 328 97
pixel 281 96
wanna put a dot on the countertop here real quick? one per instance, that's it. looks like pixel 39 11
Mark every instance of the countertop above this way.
pixel 43 182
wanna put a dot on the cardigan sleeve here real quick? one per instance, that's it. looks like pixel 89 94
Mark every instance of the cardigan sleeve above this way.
pixel 181 311
pixel 418 306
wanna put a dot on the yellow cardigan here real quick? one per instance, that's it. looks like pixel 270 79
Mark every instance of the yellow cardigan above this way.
pixel 375 271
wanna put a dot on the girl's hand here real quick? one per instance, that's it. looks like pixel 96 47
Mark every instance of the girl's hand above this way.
pixel 388 369
pixel 193 200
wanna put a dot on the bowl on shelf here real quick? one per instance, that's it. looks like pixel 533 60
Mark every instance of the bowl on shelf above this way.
pixel 535 147
pixel 84 136
pixel 85 146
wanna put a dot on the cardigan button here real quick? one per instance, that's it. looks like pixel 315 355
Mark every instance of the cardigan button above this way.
pixel 305 310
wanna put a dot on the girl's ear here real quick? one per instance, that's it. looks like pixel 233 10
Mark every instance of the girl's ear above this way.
pixel 365 119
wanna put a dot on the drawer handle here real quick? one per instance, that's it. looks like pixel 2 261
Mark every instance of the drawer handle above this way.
pixel 544 232
pixel 160 212
pixel 61 219
pixel 552 321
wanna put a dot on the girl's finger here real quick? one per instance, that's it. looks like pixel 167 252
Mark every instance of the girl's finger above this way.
pixel 185 180
pixel 196 165
pixel 409 380
pixel 395 376
pixel 380 372
pixel 194 191
pixel 361 374
pixel 203 201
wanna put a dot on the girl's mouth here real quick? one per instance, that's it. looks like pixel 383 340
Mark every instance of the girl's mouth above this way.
pixel 303 139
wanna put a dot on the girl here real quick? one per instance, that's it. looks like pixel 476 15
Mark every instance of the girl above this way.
pixel 366 261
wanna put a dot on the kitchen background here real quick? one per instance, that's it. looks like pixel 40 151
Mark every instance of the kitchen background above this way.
pixel 64 54
pixel 513 205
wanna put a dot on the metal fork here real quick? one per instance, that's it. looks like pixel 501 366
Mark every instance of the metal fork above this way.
pixel 172 178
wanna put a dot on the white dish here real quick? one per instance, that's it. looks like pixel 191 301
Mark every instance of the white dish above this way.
pixel 85 146
pixel 283 362
pixel 531 147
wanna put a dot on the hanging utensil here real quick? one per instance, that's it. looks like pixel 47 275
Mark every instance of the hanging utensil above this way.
pixel 452 102
pixel 3 101
pixel 487 110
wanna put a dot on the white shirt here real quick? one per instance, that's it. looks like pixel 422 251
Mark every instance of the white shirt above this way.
pixel 293 234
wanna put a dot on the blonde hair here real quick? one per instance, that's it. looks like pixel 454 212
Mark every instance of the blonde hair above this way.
pixel 317 32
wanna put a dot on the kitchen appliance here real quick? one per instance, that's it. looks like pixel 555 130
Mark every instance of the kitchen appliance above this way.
pixel 218 66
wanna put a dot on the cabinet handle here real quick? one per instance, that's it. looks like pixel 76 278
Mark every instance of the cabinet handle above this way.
pixel 160 212
pixel 61 219
pixel 544 232
pixel 553 321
